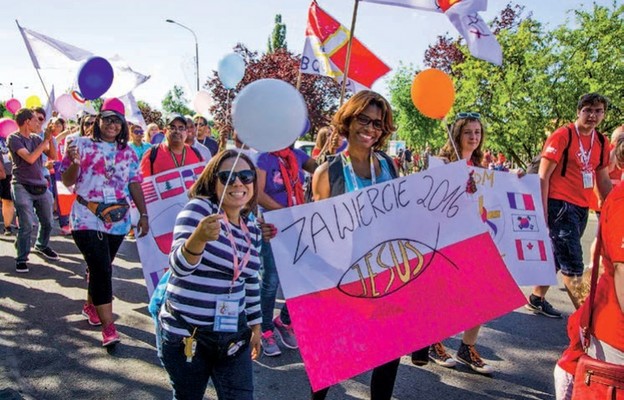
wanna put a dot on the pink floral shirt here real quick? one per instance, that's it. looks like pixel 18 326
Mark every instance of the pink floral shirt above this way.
pixel 102 165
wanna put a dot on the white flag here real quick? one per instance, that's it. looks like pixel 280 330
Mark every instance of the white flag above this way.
pixel 464 15
pixel 49 53
pixel 427 5
pixel 480 40
pixel 133 113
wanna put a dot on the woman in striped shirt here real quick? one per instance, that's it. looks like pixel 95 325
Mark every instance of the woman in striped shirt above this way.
pixel 210 321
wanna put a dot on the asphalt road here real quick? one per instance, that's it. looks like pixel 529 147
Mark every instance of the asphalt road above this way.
pixel 48 350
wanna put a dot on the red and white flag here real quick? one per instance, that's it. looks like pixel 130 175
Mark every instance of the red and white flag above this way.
pixel 169 185
pixel 355 263
pixel 531 250
pixel 325 52
pixel 464 15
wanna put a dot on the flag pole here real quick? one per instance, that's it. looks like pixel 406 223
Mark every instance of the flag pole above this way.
pixel 346 71
pixel 30 52
pixel 298 84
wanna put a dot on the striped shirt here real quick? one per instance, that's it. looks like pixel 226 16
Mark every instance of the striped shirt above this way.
pixel 193 290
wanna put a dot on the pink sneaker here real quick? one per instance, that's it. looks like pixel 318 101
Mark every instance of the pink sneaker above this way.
pixel 109 335
pixel 89 312
pixel 66 230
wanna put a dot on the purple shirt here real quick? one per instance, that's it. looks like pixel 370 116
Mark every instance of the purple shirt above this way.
pixel 274 185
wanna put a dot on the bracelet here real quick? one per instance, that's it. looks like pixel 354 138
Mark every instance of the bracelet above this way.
pixel 190 252
pixel 144 215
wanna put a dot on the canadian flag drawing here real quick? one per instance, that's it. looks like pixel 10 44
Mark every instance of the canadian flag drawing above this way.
pixel 531 250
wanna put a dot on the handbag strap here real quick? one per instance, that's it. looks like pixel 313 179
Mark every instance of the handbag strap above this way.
pixel 586 316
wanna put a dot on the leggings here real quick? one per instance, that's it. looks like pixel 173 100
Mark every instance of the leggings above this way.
pixel 99 250
pixel 382 382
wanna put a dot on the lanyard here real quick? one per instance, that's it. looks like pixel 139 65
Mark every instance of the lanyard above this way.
pixel 585 155
pixel 239 264
pixel 346 160
pixel 175 160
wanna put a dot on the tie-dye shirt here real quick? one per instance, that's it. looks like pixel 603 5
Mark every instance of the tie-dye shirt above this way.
pixel 95 159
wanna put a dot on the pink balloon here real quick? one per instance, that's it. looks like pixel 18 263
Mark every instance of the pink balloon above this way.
pixel 7 126
pixel 67 106
pixel 13 105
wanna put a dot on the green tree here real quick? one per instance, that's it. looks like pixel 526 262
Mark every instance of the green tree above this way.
pixel 537 87
pixel 176 102
pixel 277 40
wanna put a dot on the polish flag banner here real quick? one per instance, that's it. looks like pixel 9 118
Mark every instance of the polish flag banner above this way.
pixel 521 201
pixel 464 15
pixel 162 211
pixel 356 263
pixel 531 250
pixel 325 53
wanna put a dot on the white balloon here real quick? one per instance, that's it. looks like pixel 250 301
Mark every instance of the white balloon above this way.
pixel 231 70
pixel 202 103
pixel 269 114
pixel 67 106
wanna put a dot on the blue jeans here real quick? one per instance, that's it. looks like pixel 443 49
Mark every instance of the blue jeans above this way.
pixel 232 377
pixel 567 223
pixel 26 206
pixel 268 290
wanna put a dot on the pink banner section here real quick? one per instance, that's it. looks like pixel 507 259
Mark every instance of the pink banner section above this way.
pixel 372 318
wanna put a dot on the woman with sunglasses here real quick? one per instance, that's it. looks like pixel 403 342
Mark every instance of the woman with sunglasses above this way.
pixel 365 121
pixel 209 323
pixel 468 136
pixel 104 170
pixel 136 141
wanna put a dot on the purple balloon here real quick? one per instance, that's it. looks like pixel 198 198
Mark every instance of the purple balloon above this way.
pixel 95 78
pixel 306 128
pixel 157 138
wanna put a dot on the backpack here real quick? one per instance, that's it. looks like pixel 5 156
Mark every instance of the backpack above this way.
pixel 533 167
pixel 154 153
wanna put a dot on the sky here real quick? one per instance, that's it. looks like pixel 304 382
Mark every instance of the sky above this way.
pixel 136 30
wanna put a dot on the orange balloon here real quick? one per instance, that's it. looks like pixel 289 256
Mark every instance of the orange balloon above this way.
pixel 433 93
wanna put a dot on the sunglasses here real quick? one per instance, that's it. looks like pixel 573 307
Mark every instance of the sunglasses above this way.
pixel 246 177
pixel 463 115
pixel 138 132
pixel 112 120
pixel 88 123
pixel 200 124
pixel 365 121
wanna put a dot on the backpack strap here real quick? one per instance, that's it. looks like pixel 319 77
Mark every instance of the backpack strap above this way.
pixel 564 162
pixel 601 139
pixel 197 153
pixel 152 157
pixel 336 177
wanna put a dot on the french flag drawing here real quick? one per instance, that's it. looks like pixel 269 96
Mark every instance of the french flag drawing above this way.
pixel 521 201
pixel 531 250
pixel 170 185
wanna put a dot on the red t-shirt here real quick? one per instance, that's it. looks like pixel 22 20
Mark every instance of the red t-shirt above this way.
pixel 570 187
pixel 165 159
pixel 608 316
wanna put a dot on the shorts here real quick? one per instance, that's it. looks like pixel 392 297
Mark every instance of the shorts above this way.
pixel 567 223
pixel 5 188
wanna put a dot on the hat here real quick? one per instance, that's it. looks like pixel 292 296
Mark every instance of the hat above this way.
pixel 113 107
pixel 176 117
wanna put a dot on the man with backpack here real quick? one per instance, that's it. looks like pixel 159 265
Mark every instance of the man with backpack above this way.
pixel 574 162
pixel 172 152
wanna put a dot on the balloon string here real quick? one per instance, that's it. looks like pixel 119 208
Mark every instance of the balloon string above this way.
pixel 228 180
pixel 450 136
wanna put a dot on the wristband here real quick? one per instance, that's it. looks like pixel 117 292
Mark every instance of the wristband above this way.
pixel 190 252
pixel 144 215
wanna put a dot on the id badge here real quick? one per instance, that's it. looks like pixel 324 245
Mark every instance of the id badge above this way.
pixel 588 180
pixel 226 315
pixel 109 195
